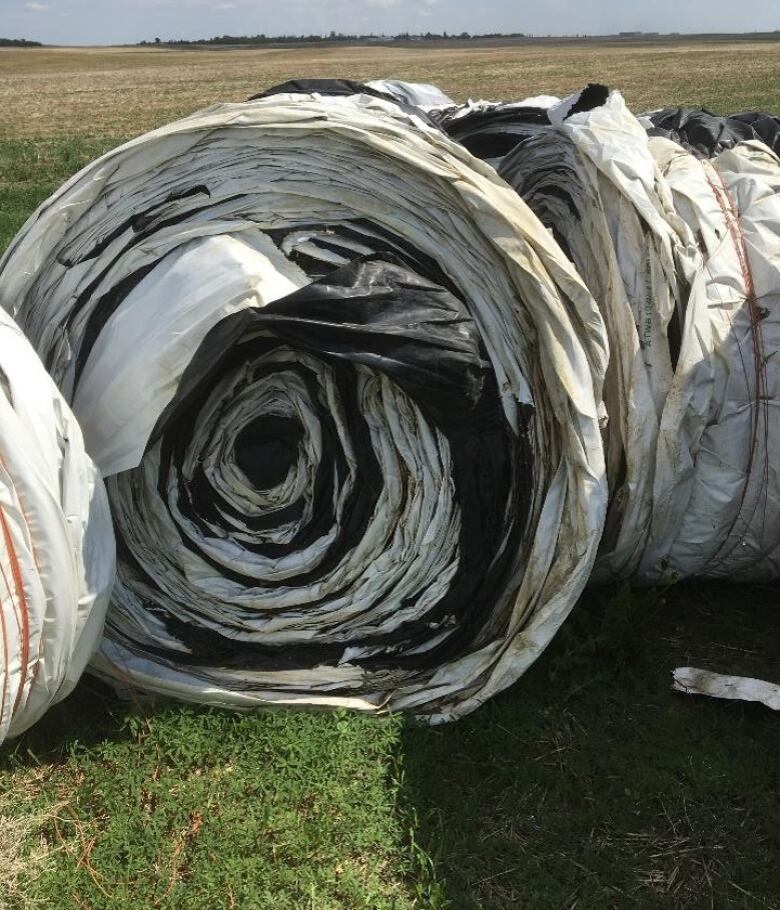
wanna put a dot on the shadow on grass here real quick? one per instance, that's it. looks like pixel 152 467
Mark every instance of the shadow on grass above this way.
pixel 91 714
pixel 592 784
pixel 588 784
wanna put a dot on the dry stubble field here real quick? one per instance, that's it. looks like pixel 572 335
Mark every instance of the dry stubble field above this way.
pixel 123 91
pixel 587 785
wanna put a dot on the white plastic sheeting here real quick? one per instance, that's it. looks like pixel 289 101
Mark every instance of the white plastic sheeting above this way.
pixel 156 266
pixel 734 688
pixel 721 428
pixel 418 94
pixel 681 255
pixel 56 541
pixel 681 252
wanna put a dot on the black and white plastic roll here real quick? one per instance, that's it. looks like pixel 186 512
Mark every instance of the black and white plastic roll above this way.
pixel 678 237
pixel 345 390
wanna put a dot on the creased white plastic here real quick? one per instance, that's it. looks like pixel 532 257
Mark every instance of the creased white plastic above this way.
pixel 719 514
pixel 119 398
pixel 594 179
pixel 56 540
pixel 420 94
pixel 736 688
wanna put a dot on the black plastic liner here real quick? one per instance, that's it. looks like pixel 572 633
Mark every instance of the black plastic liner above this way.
pixel 706 134
pixel 491 130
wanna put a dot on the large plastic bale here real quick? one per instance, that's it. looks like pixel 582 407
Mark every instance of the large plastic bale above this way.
pixel 591 178
pixel 680 253
pixel 56 541
pixel 345 390
pixel 672 220
pixel 720 433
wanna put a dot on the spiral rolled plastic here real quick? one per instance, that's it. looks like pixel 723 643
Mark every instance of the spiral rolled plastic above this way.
pixel 345 390
pixel 673 221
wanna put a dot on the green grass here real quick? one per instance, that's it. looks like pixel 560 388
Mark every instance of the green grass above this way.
pixel 589 784
pixel 191 809
pixel 30 171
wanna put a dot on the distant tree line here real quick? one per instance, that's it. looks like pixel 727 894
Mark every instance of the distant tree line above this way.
pixel 19 42
pixel 332 37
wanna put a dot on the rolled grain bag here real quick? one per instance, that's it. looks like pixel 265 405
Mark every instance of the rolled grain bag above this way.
pixel 720 436
pixel 669 245
pixel 346 392
pixel 681 254
pixel 714 490
pixel 56 541
pixel 717 490
pixel 592 180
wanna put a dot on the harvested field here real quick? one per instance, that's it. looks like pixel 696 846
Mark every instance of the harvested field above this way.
pixel 124 91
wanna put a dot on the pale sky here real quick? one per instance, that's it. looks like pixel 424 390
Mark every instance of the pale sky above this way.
pixel 127 21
